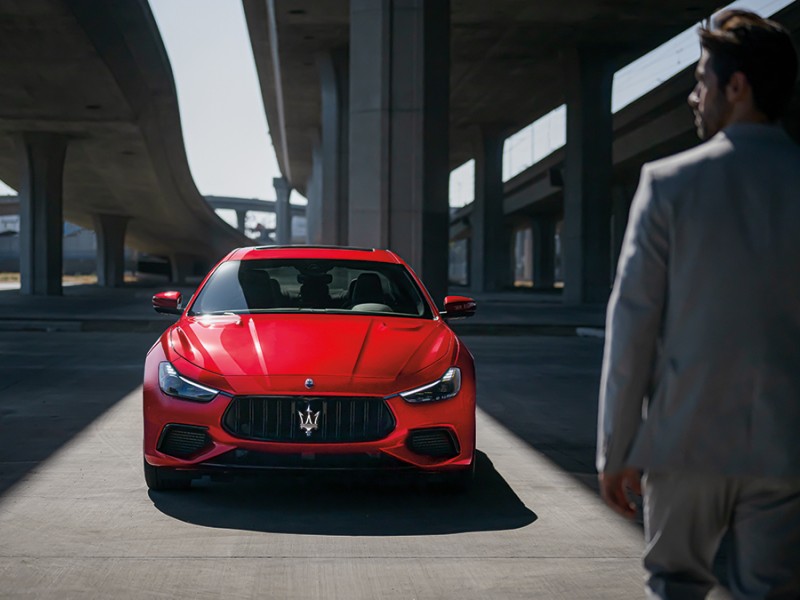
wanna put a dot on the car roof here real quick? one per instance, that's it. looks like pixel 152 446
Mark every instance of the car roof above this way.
pixel 315 252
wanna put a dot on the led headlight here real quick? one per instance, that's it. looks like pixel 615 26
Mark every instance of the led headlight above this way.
pixel 442 389
pixel 172 384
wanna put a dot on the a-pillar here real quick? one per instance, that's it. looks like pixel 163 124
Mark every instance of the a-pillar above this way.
pixel 544 251
pixel 41 163
pixel 587 176
pixel 335 118
pixel 399 130
pixel 283 213
pixel 490 261
pixel 110 233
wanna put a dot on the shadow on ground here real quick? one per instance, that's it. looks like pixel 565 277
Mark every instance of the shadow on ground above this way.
pixel 544 390
pixel 346 506
pixel 53 385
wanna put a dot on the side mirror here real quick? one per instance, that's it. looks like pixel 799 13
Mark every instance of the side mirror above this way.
pixel 168 303
pixel 459 307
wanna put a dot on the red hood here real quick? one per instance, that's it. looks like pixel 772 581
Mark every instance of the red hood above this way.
pixel 351 346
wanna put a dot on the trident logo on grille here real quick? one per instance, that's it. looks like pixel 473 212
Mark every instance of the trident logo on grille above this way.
pixel 308 420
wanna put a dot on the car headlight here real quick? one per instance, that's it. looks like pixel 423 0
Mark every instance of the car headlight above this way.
pixel 442 389
pixel 172 384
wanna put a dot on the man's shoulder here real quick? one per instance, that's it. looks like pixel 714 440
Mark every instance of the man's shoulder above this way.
pixel 688 161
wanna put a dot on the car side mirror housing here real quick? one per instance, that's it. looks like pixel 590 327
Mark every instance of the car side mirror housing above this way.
pixel 168 303
pixel 459 307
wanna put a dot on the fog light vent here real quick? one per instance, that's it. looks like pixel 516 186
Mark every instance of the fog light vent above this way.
pixel 437 443
pixel 183 440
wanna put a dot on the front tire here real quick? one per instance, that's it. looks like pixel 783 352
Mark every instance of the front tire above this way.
pixel 161 479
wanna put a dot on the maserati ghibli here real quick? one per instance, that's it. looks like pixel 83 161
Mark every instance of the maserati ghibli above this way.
pixel 304 357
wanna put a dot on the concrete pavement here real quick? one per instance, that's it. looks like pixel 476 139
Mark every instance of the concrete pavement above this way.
pixel 77 521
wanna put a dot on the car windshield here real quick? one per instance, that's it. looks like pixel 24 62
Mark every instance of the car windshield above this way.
pixel 293 285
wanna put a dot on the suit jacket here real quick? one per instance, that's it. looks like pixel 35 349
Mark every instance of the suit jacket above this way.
pixel 702 356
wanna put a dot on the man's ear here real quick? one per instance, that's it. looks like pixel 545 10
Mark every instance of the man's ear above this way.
pixel 738 87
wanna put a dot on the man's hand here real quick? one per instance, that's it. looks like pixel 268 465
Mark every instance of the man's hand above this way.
pixel 616 490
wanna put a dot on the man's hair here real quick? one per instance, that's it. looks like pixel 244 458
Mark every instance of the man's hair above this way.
pixel 739 40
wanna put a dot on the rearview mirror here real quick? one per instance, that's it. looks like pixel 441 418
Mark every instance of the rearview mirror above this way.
pixel 168 303
pixel 459 307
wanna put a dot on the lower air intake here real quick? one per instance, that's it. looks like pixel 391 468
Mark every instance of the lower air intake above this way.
pixel 436 443
pixel 182 440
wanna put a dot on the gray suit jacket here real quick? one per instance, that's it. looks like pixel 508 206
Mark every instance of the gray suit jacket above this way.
pixel 702 358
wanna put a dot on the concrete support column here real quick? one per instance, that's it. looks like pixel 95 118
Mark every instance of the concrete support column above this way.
pixel 41 163
pixel 544 252
pixel 490 263
pixel 110 232
pixel 333 70
pixel 283 213
pixel 587 176
pixel 621 204
pixel 187 268
pixel 399 118
pixel 314 196
pixel 241 216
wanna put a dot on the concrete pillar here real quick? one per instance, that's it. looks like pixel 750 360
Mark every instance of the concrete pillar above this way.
pixel 241 216
pixel 187 268
pixel 314 196
pixel 489 261
pixel 333 70
pixel 622 197
pixel 41 161
pixel 399 132
pixel 544 251
pixel 110 232
pixel 283 213
pixel 587 176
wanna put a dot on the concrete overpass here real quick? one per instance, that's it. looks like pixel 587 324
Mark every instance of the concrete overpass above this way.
pixel 371 105
pixel 90 132
pixel 657 124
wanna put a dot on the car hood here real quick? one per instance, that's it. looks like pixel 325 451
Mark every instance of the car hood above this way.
pixel 350 346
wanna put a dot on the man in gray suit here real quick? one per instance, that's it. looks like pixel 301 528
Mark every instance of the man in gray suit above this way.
pixel 700 385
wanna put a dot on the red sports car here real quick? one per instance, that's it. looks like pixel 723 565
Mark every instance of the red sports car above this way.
pixel 309 358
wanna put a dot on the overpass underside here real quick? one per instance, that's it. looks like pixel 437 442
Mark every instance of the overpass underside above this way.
pixel 90 132
pixel 371 104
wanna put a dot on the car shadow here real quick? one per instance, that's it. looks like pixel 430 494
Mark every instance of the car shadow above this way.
pixel 349 506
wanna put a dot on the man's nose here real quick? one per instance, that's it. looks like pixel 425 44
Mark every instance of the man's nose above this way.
pixel 693 99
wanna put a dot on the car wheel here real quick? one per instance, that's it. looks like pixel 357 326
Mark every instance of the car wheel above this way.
pixel 163 479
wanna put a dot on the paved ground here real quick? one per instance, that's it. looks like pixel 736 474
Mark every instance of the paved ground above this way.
pixel 77 521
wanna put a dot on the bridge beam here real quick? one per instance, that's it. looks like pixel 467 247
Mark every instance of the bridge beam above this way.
pixel 399 132
pixel 110 232
pixel 589 72
pixel 41 160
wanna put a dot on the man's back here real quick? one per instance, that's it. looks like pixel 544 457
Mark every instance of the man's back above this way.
pixel 726 395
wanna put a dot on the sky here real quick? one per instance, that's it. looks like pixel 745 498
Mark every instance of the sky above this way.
pixel 222 114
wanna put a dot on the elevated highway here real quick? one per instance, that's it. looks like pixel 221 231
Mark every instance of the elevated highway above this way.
pixel 89 125
pixel 658 124
pixel 371 104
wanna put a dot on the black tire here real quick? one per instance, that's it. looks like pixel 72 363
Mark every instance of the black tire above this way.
pixel 162 479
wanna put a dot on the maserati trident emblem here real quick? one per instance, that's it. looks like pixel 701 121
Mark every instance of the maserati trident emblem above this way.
pixel 309 383
pixel 308 420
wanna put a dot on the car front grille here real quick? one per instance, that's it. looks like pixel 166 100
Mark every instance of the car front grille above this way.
pixel 332 419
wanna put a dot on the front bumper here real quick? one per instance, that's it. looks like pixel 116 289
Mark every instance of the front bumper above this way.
pixel 415 441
